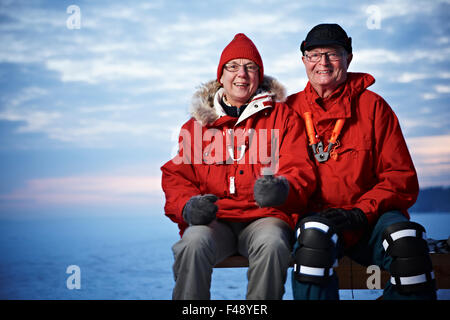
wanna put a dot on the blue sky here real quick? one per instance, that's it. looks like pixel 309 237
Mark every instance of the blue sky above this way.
pixel 88 115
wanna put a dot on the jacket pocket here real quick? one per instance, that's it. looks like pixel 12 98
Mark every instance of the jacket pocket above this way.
pixel 213 179
pixel 355 163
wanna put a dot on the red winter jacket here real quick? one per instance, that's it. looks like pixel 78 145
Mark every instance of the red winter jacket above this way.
pixel 204 163
pixel 373 170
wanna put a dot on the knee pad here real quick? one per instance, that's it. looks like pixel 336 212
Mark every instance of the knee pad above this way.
pixel 411 268
pixel 316 254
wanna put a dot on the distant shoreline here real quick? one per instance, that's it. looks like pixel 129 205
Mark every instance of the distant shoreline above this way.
pixel 432 199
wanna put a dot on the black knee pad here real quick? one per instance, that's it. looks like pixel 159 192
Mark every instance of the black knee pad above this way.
pixel 411 268
pixel 317 254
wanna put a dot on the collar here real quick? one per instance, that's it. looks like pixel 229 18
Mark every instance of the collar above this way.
pixel 260 101
pixel 338 104
pixel 340 101
pixel 230 110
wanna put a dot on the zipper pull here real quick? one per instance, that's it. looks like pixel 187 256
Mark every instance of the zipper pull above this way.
pixel 232 186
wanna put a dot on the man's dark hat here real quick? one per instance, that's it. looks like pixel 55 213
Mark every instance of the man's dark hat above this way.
pixel 327 34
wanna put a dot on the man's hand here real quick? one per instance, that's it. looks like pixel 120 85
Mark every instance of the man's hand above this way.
pixel 200 210
pixel 345 219
pixel 270 191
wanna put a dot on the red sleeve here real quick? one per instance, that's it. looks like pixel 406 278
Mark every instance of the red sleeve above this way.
pixel 179 181
pixel 397 186
pixel 295 164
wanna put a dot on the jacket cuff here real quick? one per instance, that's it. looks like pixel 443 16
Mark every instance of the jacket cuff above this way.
pixel 181 204
pixel 295 201
pixel 372 217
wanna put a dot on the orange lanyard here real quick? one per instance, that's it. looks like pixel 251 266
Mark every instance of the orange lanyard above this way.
pixel 317 146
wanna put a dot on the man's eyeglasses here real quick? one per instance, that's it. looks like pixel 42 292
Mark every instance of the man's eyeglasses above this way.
pixel 316 56
pixel 234 67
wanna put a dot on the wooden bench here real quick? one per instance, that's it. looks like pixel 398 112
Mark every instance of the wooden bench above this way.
pixel 354 276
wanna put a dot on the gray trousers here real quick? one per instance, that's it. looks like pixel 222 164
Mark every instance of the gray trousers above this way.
pixel 266 242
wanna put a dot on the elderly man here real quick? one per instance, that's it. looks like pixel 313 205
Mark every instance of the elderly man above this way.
pixel 366 182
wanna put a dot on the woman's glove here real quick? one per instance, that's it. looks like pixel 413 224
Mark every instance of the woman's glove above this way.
pixel 270 191
pixel 345 219
pixel 200 210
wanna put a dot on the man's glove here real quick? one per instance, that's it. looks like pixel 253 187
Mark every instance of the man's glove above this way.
pixel 345 219
pixel 270 191
pixel 200 210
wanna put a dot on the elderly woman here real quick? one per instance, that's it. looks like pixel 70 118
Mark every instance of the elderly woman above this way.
pixel 216 188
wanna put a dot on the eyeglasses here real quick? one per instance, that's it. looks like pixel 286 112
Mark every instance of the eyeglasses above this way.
pixel 234 67
pixel 317 56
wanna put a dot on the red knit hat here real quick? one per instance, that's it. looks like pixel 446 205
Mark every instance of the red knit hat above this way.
pixel 240 47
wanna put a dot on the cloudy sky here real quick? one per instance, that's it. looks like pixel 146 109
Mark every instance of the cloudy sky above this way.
pixel 92 93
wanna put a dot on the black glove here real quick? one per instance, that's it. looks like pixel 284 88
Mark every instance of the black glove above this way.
pixel 200 209
pixel 345 219
pixel 270 191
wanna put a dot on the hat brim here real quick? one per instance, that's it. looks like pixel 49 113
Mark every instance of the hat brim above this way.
pixel 323 43
pixel 313 44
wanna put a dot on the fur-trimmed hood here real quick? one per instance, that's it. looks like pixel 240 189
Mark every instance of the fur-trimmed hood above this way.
pixel 206 109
